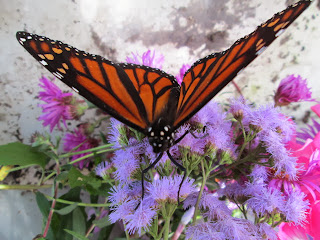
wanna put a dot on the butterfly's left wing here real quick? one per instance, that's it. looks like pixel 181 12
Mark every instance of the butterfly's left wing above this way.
pixel 210 74
pixel 135 95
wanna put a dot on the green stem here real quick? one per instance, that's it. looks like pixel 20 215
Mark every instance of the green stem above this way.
pixel 91 155
pixel 126 232
pixel 166 228
pixel 49 176
pixel 78 203
pixel 23 187
pixel 204 179
pixel 97 218
pixel 69 154
pixel 42 177
pixel 245 159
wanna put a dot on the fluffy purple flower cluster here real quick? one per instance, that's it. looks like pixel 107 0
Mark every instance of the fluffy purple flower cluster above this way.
pixel 236 160
pixel 238 150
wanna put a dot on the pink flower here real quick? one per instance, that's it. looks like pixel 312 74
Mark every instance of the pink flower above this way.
pixel 83 142
pixel 311 229
pixel 148 58
pixel 316 109
pixel 308 175
pixel 58 105
pixel 292 89
pixel 183 70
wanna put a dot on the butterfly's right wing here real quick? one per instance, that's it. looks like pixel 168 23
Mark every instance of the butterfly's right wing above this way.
pixel 125 91
pixel 212 73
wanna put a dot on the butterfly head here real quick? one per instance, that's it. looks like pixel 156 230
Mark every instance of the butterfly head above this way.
pixel 161 136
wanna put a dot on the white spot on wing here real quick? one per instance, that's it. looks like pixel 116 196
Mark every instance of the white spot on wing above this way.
pixel 261 50
pixel 58 75
pixel 29 37
pixel 43 62
pixel 279 33
pixel 74 89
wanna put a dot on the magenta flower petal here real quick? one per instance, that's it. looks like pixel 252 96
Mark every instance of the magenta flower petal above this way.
pixel 183 70
pixel 292 89
pixel 58 105
pixel 72 140
pixel 148 58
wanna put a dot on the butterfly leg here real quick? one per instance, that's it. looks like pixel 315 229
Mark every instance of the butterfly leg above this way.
pixel 180 138
pixel 144 171
pixel 182 169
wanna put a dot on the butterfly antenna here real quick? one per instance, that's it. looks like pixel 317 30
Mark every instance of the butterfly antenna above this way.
pixel 144 171
pixel 182 169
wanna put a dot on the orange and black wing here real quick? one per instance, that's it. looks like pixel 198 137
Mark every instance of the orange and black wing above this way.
pixel 122 90
pixel 209 75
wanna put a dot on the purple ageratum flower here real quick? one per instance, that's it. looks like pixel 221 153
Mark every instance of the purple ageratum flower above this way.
pixel 166 189
pixel 148 58
pixel 216 209
pixel 218 130
pixel 284 162
pixel 236 228
pixel 127 161
pixel 263 200
pixel 142 218
pixel 114 134
pixel 296 207
pixel 73 140
pixel 204 231
pixel 308 133
pixel 124 200
pixel 292 89
pixel 121 211
pixel 268 118
pixel 233 191
pixel 58 105
pixel 124 193
pixel 273 130
pixel 259 174
pixel 265 229
pixel 102 168
pixel 183 70
pixel 196 145
pixel 217 126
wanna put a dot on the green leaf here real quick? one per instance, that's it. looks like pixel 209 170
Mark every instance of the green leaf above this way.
pixel 62 176
pixel 103 137
pixel 105 232
pixel 76 178
pixel 91 183
pixel 66 210
pixel 76 235
pixel 103 222
pixel 17 153
pixel 43 204
pixel 79 222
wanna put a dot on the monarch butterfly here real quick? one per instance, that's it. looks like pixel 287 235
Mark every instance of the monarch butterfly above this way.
pixel 148 99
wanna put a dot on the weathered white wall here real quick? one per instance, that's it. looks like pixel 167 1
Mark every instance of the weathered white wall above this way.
pixel 183 30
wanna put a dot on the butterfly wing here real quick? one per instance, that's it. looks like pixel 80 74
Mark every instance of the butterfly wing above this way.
pixel 125 91
pixel 210 74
